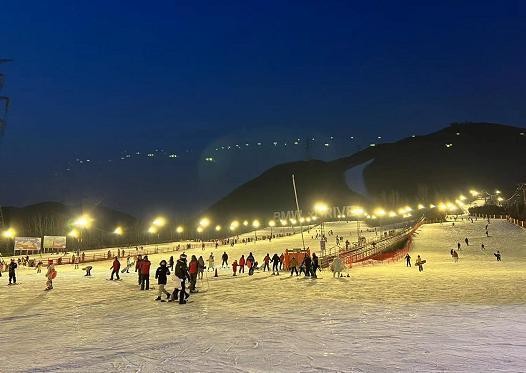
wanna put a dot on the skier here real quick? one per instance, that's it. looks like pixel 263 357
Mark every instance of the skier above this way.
pixel 293 266
pixel 242 264
pixel 482 247
pixel 455 256
pixel 281 261
pixel 458 245
pixel 224 257
pixel 234 267
pixel 250 264
pixel 171 263
pixel 51 274
pixel 275 264
pixel 39 266
pixel 336 266
pixel 145 273
pixel 162 277
pixel 12 274
pixel 407 260
pixel 201 266
pixel 181 273
pixel 138 268
pixel 266 261
pixel 466 240
pixel 420 263
pixel 115 267
pixel 498 256
pixel 307 261
pixel 193 267
pixel 315 265
pixel 211 262
pixel 88 270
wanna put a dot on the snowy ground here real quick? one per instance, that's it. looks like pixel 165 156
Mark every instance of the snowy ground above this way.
pixel 454 317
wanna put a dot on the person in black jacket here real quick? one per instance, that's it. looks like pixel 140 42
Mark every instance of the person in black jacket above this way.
pixel 225 260
pixel 315 265
pixel 12 274
pixel 171 263
pixel 275 264
pixel 181 272
pixel 162 277
pixel 307 261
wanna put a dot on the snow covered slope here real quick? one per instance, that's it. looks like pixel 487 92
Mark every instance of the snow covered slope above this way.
pixel 455 317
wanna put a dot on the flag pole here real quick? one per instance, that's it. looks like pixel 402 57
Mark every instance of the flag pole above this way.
pixel 298 210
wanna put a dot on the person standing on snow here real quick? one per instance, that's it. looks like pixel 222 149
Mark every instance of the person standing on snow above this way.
pixel 225 260
pixel 307 262
pixel 281 261
pixel 39 266
pixel 211 262
pixel 315 265
pixel 181 272
pixel 466 240
pixel 420 263
pixel 242 264
pixel 193 268
pixel 407 260
pixel 293 266
pixel 336 267
pixel 171 262
pixel 498 256
pixel 266 261
pixel 145 273
pixel 11 269
pixel 50 275
pixel 200 266
pixel 275 264
pixel 128 263
pixel 234 267
pixel 115 267
pixel 162 278
pixel 138 268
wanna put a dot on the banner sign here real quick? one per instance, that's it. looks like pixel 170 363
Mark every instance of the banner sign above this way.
pixel 28 243
pixel 54 242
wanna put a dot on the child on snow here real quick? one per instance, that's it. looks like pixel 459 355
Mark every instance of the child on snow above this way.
pixel 234 267
pixel 50 275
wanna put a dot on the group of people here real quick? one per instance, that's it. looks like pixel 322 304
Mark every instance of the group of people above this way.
pixel 12 270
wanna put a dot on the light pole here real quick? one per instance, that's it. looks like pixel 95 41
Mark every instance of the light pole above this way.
pixel 256 225
pixel 271 224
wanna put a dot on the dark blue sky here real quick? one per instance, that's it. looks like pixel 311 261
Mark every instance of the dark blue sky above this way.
pixel 99 77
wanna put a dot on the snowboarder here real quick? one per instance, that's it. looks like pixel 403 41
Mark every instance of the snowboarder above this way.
pixel 234 267
pixel 275 264
pixel 162 277
pixel 181 273
pixel 498 256
pixel 293 265
pixel 266 261
pixel 193 268
pixel 211 262
pixel 336 267
pixel 115 267
pixel 420 263
pixel 224 257
pixel 50 275
pixel 407 260
pixel 201 266
pixel 242 264
pixel 145 273
pixel 12 274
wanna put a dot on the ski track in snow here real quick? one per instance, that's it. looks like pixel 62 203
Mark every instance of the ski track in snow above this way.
pixel 453 317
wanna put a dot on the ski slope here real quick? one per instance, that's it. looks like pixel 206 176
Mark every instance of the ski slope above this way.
pixel 453 317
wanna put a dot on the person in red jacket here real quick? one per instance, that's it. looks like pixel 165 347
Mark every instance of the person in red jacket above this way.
pixel 266 260
pixel 193 268
pixel 281 261
pixel 234 267
pixel 138 268
pixel 242 264
pixel 115 268
pixel 144 269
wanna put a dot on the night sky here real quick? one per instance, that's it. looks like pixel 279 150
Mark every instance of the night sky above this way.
pixel 96 78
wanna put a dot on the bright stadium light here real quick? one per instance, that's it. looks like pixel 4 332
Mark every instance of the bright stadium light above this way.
pixel 118 231
pixel 179 229
pixel 392 214
pixel 420 206
pixel 218 228
pixel 256 223
pixel 199 229
pixel 271 223
pixel 379 212
pixel 245 223
pixel 497 191
pixel 283 222
pixel 9 233
pixel 442 206
pixel 357 211
pixel 83 221
pixel 74 233
pixel 462 197
pixel 152 229
pixel 204 222
pixel 321 208
pixel 159 222
pixel 431 206
pixel 474 193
